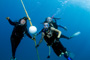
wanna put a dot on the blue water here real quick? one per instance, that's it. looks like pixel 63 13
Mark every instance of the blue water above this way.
pixel 74 14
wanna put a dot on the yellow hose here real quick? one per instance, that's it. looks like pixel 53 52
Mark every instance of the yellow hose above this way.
pixel 31 25
pixel 26 13
pixel 37 51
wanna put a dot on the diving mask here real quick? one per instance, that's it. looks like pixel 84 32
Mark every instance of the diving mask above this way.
pixel 46 25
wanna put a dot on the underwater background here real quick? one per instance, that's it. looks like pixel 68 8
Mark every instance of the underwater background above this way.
pixel 74 14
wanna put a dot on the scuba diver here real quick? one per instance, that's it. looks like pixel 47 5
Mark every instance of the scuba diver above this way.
pixel 20 28
pixel 53 23
pixel 52 35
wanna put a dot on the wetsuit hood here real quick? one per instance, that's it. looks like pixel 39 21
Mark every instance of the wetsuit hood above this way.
pixel 25 18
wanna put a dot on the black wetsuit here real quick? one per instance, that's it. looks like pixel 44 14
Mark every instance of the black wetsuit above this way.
pixel 54 42
pixel 62 36
pixel 54 24
pixel 17 35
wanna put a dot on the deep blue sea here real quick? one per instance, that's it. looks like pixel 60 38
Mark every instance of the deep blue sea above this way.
pixel 74 14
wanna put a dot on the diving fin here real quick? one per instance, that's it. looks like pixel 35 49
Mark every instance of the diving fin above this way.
pixel 13 58
pixel 71 56
pixel 76 34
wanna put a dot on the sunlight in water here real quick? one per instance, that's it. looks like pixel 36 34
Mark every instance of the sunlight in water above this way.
pixel 63 2
pixel 82 3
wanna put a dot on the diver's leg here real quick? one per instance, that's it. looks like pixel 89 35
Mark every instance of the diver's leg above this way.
pixel 13 46
pixel 56 50
pixel 63 36
pixel 60 46
pixel 14 43
pixel 63 49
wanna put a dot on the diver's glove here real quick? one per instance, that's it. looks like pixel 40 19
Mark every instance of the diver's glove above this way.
pixel 37 46
pixel 33 38
pixel 7 18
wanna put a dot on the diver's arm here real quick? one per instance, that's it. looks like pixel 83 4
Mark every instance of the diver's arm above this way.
pixel 41 38
pixel 59 32
pixel 27 33
pixel 62 27
pixel 40 32
pixel 12 23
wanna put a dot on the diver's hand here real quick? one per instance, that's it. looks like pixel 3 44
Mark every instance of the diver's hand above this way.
pixel 7 18
pixel 34 38
pixel 37 46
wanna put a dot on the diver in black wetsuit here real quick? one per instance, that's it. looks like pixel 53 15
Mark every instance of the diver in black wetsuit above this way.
pixel 52 36
pixel 20 28
pixel 53 23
